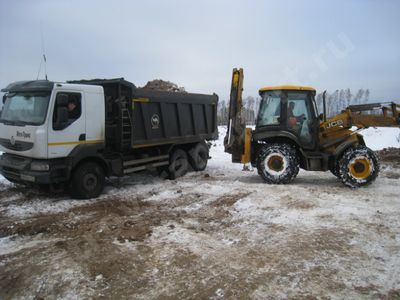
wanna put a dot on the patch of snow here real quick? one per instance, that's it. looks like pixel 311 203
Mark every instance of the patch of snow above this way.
pixel 381 137
pixel 37 206
pixel 12 244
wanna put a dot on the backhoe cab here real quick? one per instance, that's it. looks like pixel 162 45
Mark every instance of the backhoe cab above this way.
pixel 289 135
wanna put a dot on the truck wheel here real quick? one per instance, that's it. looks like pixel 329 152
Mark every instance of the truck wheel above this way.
pixel 198 157
pixel 278 163
pixel 87 181
pixel 178 164
pixel 358 167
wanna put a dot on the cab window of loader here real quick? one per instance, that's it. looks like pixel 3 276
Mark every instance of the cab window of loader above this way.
pixel 270 110
pixel 299 119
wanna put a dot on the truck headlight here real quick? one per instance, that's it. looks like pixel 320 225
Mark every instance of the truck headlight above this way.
pixel 40 166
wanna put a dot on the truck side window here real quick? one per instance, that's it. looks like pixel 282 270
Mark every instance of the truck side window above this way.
pixel 73 106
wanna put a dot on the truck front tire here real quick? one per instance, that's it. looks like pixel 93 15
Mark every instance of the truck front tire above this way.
pixel 278 163
pixel 87 181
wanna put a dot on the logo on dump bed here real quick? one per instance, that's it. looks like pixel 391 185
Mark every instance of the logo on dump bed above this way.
pixel 155 121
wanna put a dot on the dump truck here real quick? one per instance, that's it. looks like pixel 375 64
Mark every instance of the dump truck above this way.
pixel 73 135
pixel 290 134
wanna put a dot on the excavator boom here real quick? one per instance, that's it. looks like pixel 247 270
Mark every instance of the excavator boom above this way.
pixel 364 116
pixel 235 135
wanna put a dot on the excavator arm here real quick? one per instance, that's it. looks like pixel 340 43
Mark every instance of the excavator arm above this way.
pixel 237 139
pixel 364 116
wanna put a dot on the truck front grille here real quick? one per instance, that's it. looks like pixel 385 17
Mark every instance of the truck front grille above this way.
pixel 17 146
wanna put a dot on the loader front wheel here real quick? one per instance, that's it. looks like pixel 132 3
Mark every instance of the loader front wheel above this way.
pixel 358 167
pixel 278 163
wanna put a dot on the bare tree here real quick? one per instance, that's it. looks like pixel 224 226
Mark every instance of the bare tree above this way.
pixel 366 96
pixel 249 109
pixel 342 99
pixel 348 96
pixel 358 98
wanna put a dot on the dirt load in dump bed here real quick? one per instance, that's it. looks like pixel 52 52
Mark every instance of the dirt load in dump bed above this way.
pixel 161 85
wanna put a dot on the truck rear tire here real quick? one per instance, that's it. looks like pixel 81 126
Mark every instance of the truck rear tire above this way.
pixel 178 164
pixel 278 163
pixel 87 181
pixel 198 157
pixel 358 167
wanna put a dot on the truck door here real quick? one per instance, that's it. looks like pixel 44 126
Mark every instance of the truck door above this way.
pixel 67 125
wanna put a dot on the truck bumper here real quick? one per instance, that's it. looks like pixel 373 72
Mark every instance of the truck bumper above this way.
pixel 18 169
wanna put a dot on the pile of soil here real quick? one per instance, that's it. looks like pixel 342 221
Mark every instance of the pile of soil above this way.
pixel 161 85
pixel 390 156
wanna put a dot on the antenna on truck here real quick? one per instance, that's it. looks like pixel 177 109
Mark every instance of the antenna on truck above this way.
pixel 43 58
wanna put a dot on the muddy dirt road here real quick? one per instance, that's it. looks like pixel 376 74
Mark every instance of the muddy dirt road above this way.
pixel 218 234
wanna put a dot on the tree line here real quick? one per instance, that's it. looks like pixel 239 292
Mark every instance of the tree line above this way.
pixel 335 103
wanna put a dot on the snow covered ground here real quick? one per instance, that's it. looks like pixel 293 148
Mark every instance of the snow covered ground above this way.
pixel 217 234
pixel 379 138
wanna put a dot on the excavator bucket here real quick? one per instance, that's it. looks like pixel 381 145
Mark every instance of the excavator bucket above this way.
pixel 234 141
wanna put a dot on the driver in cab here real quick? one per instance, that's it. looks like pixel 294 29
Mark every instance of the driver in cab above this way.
pixel 292 119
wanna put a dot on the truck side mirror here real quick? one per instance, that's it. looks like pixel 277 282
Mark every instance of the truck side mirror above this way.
pixel 4 98
pixel 62 118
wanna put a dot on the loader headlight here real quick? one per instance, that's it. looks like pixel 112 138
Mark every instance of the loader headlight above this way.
pixel 40 166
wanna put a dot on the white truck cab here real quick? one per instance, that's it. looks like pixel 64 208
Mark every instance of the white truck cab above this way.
pixel 42 122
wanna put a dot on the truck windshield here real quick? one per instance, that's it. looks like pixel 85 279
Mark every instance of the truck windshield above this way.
pixel 25 108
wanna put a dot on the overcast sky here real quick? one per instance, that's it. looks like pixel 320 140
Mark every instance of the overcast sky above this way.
pixel 325 44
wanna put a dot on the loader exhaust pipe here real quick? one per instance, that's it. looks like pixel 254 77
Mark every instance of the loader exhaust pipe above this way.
pixel 324 104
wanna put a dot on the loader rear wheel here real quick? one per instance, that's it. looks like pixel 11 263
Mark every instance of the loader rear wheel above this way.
pixel 178 164
pixel 198 157
pixel 278 163
pixel 358 167
pixel 87 181
pixel 335 170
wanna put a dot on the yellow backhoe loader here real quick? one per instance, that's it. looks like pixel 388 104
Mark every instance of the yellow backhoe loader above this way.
pixel 289 135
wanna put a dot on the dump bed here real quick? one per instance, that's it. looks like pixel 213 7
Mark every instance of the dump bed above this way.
pixel 170 117
pixel 138 118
